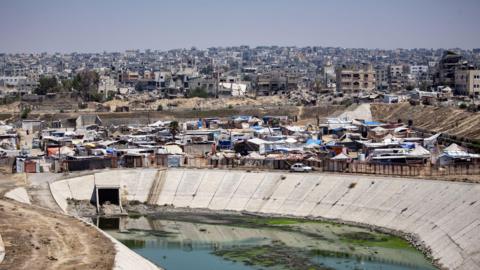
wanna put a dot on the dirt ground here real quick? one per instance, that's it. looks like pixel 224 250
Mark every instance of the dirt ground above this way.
pixel 446 120
pixel 36 238
pixel 146 102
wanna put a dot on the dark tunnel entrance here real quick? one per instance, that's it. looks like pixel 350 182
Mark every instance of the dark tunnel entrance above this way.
pixel 111 195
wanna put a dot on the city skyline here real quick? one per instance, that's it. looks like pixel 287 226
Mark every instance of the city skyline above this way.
pixel 57 26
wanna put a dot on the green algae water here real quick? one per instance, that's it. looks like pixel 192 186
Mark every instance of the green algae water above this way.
pixel 184 241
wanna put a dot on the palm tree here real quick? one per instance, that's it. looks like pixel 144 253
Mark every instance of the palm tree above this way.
pixel 173 129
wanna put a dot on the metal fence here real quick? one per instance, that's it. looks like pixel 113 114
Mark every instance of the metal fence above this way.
pixel 421 170
pixel 355 167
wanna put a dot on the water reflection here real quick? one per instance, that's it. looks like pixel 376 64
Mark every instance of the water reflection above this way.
pixel 207 243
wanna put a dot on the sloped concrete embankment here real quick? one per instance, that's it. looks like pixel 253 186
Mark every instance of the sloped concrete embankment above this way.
pixel 126 259
pixel 2 249
pixel 82 188
pixel 444 216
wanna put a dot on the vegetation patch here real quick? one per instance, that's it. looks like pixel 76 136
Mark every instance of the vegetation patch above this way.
pixel 277 256
pixel 375 240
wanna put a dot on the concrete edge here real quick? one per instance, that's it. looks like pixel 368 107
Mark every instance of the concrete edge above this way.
pixel 55 195
pixel 125 258
pixel 18 194
pixel 2 250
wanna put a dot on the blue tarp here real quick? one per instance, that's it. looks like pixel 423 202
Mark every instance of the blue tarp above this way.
pixel 225 144
pixel 314 141
pixel 372 123
pixel 408 145
pixel 58 134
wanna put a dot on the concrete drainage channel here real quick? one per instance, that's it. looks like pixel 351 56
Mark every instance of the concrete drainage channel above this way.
pixel 442 215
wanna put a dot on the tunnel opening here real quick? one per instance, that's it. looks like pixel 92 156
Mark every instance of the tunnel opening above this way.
pixel 111 195
pixel 108 200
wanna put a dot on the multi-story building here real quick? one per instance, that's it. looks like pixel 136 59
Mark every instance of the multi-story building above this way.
pixel 396 71
pixel 356 80
pixel 381 77
pixel 207 84
pixel 467 82
pixel 418 70
pixel 275 83
pixel 129 77
pixel 447 65
pixel 329 75
pixel 106 85
pixel 395 77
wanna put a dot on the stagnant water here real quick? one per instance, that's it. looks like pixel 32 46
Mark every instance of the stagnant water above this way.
pixel 185 241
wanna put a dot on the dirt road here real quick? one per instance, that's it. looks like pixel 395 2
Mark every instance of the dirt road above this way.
pixel 36 238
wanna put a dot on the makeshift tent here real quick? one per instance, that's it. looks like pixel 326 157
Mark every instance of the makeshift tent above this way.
pixel 341 156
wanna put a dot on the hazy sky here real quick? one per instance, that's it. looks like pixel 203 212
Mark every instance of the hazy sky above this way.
pixel 116 25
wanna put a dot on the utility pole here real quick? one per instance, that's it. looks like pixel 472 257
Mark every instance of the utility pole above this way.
pixel 216 74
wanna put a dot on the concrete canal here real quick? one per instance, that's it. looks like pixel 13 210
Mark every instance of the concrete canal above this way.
pixel 440 217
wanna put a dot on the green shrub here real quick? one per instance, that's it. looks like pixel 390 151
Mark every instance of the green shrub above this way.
pixel 198 92
pixel 25 112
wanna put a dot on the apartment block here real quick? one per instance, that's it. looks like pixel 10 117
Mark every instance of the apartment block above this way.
pixel 356 80
pixel 467 82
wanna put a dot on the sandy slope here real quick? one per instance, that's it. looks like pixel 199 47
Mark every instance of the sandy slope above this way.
pixel 36 238
pixel 446 120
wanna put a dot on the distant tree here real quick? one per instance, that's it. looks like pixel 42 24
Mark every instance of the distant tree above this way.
pixel 462 106
pixel 346 102
pixel 424 86
pixel 97 97
pixel 25 112
pixel 174 128
pixel 86 83
pixel 110 96
pixel 200 92
pixel 140 86
pixel 159 107
pixel 67 85
pixel 46 85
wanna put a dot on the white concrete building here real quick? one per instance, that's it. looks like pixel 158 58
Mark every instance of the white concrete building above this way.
pixel 467 82
pixel 106 85
pixel 416 70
